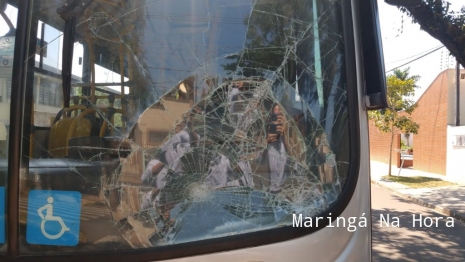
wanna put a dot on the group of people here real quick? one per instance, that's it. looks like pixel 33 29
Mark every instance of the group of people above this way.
pixel 223 171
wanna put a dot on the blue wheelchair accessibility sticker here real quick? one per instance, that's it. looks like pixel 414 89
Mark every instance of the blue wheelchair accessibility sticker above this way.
pixel 2 215
pixel 53 217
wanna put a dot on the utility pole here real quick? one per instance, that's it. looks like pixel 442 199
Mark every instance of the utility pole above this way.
pixel 316 49
pixel 457 95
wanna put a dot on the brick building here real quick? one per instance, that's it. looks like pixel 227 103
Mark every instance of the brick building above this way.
pixel 436 116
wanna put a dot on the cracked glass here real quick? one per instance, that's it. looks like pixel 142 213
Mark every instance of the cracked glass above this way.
pixel 7 46
pixel 6 62
pixel 153 123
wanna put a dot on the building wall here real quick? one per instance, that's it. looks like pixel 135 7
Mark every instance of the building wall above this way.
pixel 455 149
pixel 429 152
pixel 380 144
pixel 430 144
pixel 44 115
pixel 452 87
pixel 455 153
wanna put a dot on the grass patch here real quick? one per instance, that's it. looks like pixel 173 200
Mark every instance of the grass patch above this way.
pixel 418 181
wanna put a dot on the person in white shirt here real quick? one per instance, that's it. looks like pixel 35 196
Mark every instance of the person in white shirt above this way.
pixel 244 105
pixel 221 173
pixel 170 154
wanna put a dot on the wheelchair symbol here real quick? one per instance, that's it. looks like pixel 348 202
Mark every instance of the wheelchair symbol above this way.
pixel 49 217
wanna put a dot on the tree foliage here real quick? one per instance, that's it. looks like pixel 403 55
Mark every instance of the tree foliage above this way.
pixel 435 17
pixel 400 92
pixel 397 118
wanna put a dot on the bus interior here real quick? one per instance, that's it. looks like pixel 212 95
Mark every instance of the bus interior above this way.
pixel 118 87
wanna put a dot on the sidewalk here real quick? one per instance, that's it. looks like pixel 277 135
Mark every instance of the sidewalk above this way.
pixel 448 200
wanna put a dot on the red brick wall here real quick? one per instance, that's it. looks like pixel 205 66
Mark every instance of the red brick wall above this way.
pixel 380 145
pixel 429 145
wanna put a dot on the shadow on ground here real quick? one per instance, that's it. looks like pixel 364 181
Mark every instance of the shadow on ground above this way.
pixel 408 243
pixel 451 198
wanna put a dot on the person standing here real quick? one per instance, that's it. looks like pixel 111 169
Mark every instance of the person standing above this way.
pixel 221 173
pixel 276 149
pixel 170 154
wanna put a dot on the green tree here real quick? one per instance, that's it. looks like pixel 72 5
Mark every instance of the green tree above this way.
pixel 435 18
pixel 405 75
pixel 400 90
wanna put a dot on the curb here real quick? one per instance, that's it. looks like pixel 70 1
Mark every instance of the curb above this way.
pixel 445 211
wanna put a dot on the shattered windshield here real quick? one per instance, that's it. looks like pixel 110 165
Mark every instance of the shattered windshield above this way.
pixel 183 120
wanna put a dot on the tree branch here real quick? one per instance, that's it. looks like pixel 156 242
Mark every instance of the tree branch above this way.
pixel 435 20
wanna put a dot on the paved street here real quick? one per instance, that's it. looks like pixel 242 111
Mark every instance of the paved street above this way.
pixel 408 243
